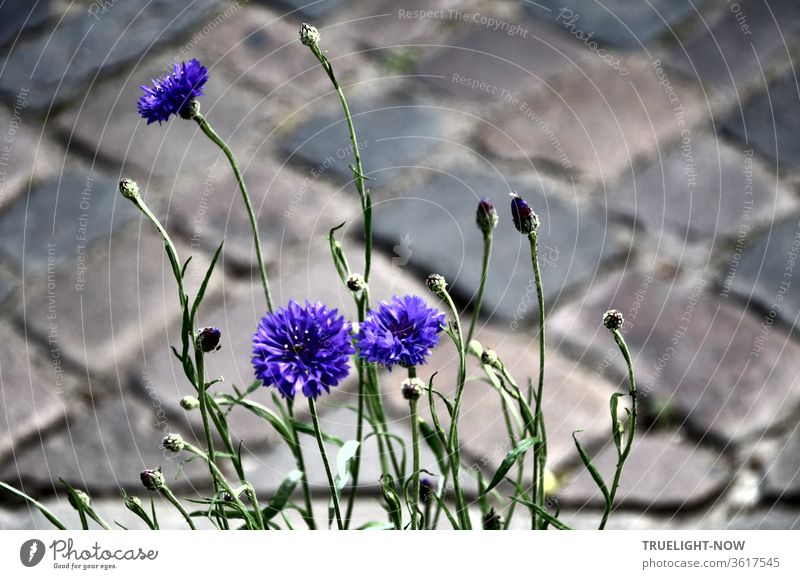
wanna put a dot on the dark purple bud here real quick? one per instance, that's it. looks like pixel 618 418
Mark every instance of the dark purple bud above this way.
pixel 153 479
pixel 493 521
pixel 525 220
pixel 426 489
pixel 486 217
pixel 208 339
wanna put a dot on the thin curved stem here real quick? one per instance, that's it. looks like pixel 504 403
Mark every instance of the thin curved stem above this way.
pixel 312 407
pixel 168 494
pixel 540 449
pixel 487 252
pixel 623 455
pixel 217 140
pixel 301 466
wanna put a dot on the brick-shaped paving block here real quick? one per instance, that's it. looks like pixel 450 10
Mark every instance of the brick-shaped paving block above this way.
pixel 615 22
pixel 573 399
pixel 313 11
pixel 120 291
pixel 694 354
pixel 662 472
pixel 21 17
pixel 104 450
pixel 760 268
pixel 737 44
pixel 26 153
pixel 292 208
pixel 438 235
pixel 59 62
pixel 264 47
pixel 768 123
pixel 782 478
pixel 33 394
pixel 58 219
pixel 596 123
pixel 177 149
pixel 487 64
pixel 392 133
pixel 703 191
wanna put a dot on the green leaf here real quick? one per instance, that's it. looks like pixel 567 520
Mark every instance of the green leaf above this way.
pixel 598 478
pixel 42 509
pixel 393 506
pixel 509 461
pixel 282 495
pixel 337 252
pixel 432 440
pixel 307 428
pixel 375 526
pixel 202 291
pixel 543 513
pixel 343 458
pixel 265 413
pixel 616 425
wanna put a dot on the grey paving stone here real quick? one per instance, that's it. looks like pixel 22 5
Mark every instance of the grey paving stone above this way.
pixel 522 61
pixel 437 233
pixel 757 269
pixel 6 286
pixel 58 219
pixel 595 124
pixel 293 208
pixel 615 22
pixel 782 479
pixel 776 518
pixel 314 11
pixel 19 17
pixel 111 128
pixel 34 396
pixel 391 24
pixel 738 43
pixel 588 520
pixel 27 152
pixel 662 472
pixel 695 355
pixel 767 124
pixel 114 296
pixel 58 64
pixel 102 451
pixel 698 193
pixel 392 133
pixel 265 49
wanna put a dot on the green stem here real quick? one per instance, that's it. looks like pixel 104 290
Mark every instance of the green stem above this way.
pixel 301 466
pixel 167 494
pixel 312 407
pixel 540 449
pixel 623 455
pixel 351 500
pixel 452 439
pixel 487 252
pixel 358 171
pixel 414 411
pixel 262 268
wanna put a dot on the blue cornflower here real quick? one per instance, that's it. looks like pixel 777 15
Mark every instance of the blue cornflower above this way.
pixel 172 94
pixel 401 332
pixel 302 348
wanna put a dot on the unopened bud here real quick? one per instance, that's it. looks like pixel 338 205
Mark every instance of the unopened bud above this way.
pixel 189 403
pixel 129 189
pixel 412 388
pixel 207 339
pixel 173 442
pixel 525 220
pixel 436 284
pixel 153 479
pixel 486 217
pixel 613 319
pixel 356 283
pixel 309 35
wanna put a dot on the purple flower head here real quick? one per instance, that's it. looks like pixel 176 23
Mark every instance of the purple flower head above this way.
pixel 173 93
pixel 401 332
pixel 302 348
pixel 486 217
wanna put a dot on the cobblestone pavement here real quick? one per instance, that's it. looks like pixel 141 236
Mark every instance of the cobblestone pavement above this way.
pixel 659 142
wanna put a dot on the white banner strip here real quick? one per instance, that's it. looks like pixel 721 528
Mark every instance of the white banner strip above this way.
pixel 382 554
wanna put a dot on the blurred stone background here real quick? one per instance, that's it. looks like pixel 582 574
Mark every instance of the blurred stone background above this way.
pixel 659 142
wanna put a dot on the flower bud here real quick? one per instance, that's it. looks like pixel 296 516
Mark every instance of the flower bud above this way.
pixel 129 189
pixel 525 220
pixel 79 500
pixel 426 489
pixel 309 35
pixel 153 479
pixel 613 320
pixel 436 284
pixel 412 388
pixel 207 339
pixel 189 403
pixel 356 283
pixel 486 217
pixel 190 110
pixel 133 503
pixel 493 521
pixel 489 358
pixel 173 442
